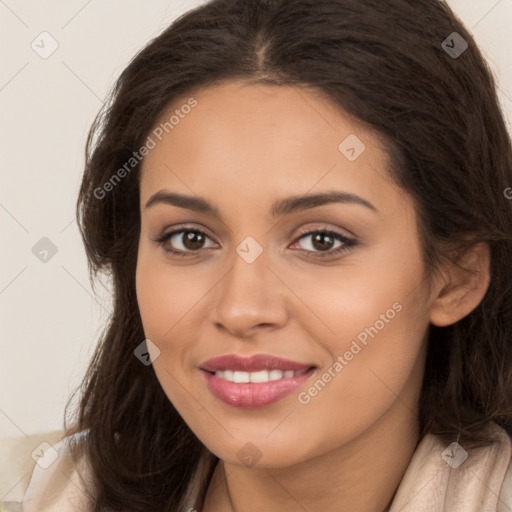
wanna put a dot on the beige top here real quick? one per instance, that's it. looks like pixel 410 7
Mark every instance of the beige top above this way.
pixel 439 478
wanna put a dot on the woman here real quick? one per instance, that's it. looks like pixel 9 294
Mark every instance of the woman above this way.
pixel 302 206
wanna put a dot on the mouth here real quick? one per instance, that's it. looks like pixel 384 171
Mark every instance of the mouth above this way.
pixel 241 377
pixel 252 364
pixel 254 382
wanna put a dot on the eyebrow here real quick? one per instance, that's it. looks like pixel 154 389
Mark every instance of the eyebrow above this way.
pixel 280 207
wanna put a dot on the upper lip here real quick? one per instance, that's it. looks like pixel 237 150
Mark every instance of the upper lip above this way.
pixel 250 364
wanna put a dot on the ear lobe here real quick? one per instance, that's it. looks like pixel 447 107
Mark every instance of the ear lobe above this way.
pixel 465 285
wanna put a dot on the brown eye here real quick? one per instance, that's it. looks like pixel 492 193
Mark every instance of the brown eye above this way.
pixel 323 243
pixel 192 240
pixel 183 241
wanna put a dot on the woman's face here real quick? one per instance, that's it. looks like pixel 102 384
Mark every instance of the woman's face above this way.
pixel 268 275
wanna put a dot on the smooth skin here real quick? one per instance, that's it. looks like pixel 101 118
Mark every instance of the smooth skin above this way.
pixel 242 148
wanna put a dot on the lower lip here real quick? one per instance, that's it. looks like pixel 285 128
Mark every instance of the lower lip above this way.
pixel 254 394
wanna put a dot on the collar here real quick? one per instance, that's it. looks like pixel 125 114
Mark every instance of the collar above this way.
pixel 446 477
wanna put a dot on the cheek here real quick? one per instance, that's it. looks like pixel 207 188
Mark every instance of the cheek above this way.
pixel 152 299
pixel 364 379
pixel 165 295
pixel 380 348
pixel 173 304
pixel 158 304
pixel 163 306
pixel 374 320
pixel 357 301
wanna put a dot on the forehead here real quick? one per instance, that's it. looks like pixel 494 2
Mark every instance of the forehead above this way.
pixel 260 141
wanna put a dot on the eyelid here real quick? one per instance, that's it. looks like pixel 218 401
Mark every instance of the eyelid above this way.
pixel 183 227
pixel 325 228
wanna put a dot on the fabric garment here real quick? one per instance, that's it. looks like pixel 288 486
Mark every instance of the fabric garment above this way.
pixel 439 478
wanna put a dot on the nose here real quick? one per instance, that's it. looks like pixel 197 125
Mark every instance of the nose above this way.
pixel 250 298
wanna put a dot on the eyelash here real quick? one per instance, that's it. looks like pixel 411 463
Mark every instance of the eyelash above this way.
pixel 348 243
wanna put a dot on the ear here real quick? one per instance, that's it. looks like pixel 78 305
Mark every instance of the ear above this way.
pixel 464 286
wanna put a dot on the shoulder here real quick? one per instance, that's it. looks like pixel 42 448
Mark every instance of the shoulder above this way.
pixel 449 477
pixel 505 497
pixel 17 461
pixel 502 461
pixel 57 480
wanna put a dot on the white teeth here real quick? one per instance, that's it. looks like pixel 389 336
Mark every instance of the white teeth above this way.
pixel 275 374
pixel 259 376
pixel 239 377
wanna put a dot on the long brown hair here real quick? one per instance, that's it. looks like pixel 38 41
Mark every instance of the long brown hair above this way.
pixel 387 64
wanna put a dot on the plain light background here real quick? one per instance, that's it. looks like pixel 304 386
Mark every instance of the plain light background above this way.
pixel 50 318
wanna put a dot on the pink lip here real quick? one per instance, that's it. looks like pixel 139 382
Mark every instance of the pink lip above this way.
pixel 252 364
pixel 253 394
